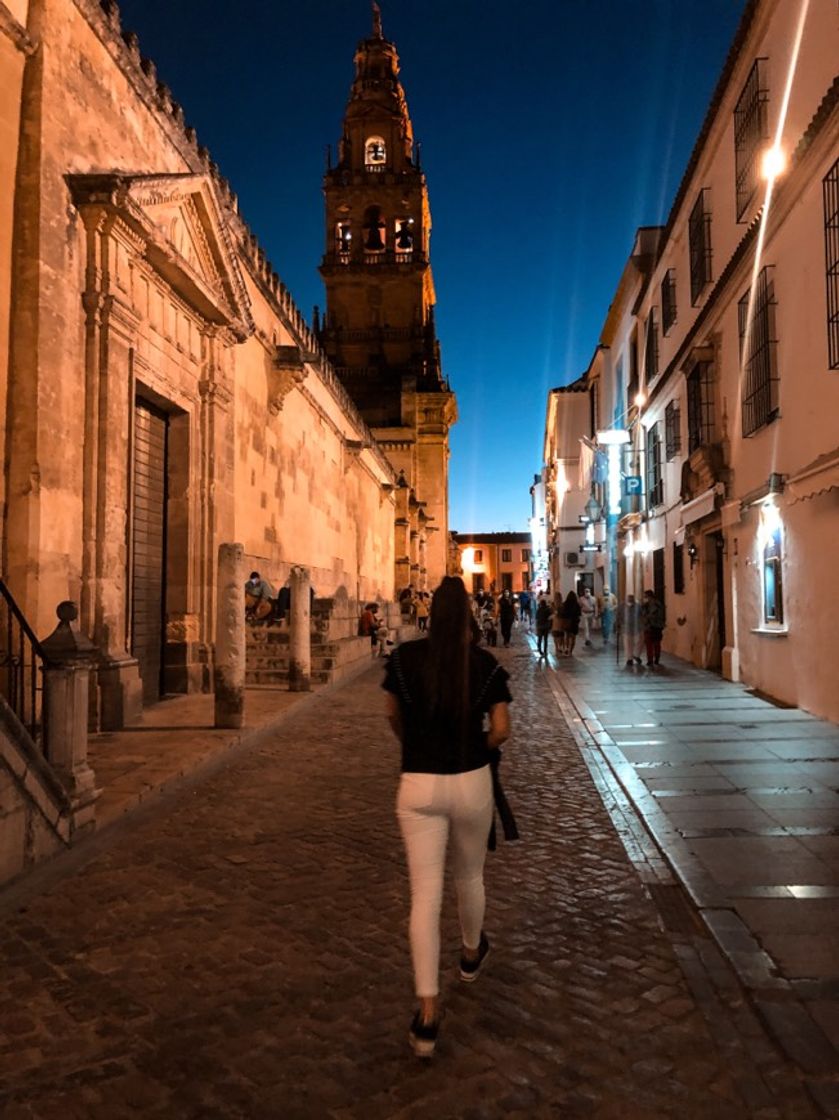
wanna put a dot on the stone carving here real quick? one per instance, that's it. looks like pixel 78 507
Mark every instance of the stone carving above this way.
pixel 288 370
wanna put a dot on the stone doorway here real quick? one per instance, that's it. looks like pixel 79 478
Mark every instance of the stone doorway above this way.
pixel 149 544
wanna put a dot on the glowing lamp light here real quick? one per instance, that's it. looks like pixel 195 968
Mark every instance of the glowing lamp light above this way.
pixel 640 400
pixel 773 163
pixel 613 436
pixel 467 559
pixel 770 522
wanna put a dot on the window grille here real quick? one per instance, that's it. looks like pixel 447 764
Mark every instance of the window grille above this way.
pixel 506 555
pixel 679 569
pixel 672 431
pixel 699 239
pixel 700 390
pixel 830 187
pixel 651 349
pixel 751 131
pixel 655 483
pixel 668 300
pixel 758 354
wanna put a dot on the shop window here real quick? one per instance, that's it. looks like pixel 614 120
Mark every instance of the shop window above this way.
pixel 773 584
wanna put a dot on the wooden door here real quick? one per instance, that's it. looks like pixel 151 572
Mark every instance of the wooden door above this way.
pixel 149 546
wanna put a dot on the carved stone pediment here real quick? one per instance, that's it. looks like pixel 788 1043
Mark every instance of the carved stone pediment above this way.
pixel 287 370
pixel 181 232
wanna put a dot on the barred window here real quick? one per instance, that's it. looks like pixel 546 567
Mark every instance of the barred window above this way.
pixel 758 353
pixel 700 389
pixel 668 300
pixel 672 431
pixel 651 349
pixel 679 569
pixel 655 483
pixel 633 383
pixel 830 187
pixel 699 239
pixel 751 130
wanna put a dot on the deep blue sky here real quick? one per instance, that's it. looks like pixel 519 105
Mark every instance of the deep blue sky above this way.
pixel 550 131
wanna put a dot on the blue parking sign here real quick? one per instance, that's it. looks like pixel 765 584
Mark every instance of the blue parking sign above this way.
pixel 632 485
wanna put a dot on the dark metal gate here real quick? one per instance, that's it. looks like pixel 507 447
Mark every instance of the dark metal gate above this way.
pixel 148 550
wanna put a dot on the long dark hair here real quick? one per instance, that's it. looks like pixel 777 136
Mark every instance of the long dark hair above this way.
pixel 449 640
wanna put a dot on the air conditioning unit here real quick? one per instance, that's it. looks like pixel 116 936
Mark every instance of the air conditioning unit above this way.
pixel 575 560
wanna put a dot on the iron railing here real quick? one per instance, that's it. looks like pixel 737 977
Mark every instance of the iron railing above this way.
pixel 21 663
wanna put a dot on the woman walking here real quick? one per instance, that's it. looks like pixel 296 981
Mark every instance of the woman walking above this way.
pixel 571 618
pixel 543 625
pixel 440 693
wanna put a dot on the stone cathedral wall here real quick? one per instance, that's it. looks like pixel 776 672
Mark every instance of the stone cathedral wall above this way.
pixel 164 293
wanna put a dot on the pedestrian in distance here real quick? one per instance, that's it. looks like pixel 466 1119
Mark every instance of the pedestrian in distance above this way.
pixel 571 616
pixel 629 625
pixel 652 619
pixel 588 611
pixel 524 608
pixel 441 692
pixel 421 609
pixel 558 626
pixel 506 616
pixel 608 606
pixel 543 624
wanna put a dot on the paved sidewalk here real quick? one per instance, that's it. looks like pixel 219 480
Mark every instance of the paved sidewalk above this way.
pixel 239 950
pixel 743 798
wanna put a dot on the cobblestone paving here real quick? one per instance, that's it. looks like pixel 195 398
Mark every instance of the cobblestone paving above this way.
pixel 240 951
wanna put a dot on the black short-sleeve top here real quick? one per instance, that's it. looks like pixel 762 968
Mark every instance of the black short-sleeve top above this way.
pixel 430 744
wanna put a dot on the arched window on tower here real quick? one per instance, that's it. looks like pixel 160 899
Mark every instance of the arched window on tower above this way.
pixel 343 241
pixel 375 231
pixel 403 237
pixel 375 153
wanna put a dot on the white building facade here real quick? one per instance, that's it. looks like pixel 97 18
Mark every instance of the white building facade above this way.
pixel 717 375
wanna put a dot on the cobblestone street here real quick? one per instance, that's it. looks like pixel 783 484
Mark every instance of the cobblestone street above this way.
pixel 239 950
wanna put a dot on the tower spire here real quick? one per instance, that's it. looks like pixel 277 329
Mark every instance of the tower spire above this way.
pixel 377 21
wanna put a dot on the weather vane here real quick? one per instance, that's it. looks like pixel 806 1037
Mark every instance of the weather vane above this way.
pixel 377 21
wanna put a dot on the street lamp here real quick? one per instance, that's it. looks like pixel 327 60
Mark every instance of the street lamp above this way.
pixel 593 509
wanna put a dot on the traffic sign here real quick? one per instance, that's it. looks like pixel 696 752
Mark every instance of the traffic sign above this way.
pixel 632 485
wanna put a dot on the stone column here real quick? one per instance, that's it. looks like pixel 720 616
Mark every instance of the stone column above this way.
pixel 300 632
pixel 68 657
pixel 229 660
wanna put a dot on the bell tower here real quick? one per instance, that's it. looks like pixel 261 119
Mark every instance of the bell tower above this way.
pixel 378 328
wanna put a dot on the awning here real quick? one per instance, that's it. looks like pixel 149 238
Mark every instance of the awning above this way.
pixel 820 475
pixel 699 507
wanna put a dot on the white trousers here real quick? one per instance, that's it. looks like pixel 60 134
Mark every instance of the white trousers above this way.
pixel 430 808
pixel 632 644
